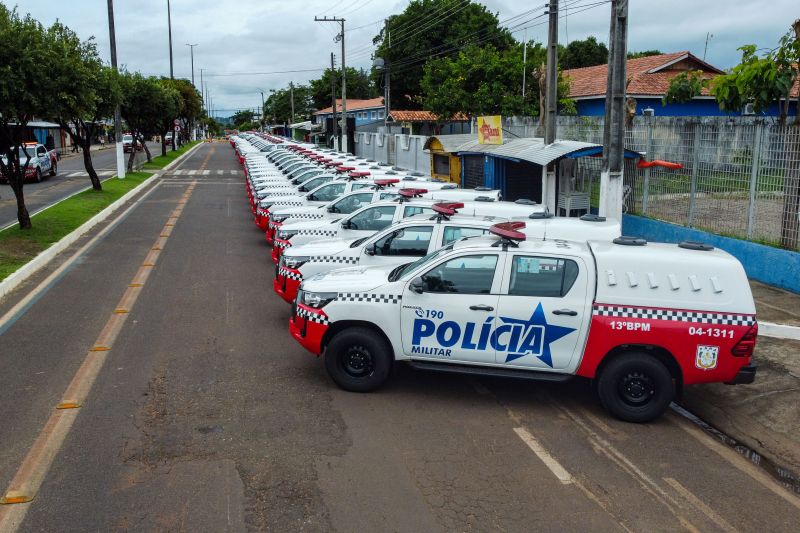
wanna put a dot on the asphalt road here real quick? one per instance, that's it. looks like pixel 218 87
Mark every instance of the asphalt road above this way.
pixel 71 178
pixel 207 416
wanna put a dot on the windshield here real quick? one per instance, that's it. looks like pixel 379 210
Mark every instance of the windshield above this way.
pixel 127 138
pixel 398 272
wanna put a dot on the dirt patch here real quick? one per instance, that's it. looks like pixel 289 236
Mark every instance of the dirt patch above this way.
pixel 17 249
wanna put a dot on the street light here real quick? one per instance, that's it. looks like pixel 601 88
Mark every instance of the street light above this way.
pixel 191 49
pixel 117 114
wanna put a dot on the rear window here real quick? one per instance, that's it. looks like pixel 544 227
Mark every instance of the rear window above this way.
pixel 545 277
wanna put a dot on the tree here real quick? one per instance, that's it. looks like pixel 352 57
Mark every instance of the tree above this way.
pixel 762 81
pixel 486 81
pixel 644 53
pixel 83 91
pixel 242 117
pixel 279 105
pixel 23 49
pixel 359 85
pixel 191 106
pixel 429 29
pixel 585 53
pixel 171 108
pixel 684 87
pixel 149 107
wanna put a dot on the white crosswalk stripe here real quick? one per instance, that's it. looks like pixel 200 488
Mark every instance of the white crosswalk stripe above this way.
pixel 75 174
pixel 234 172
pixel 106 173
pixel 220 172
pixel 178 172
pixel 191 172
pixel 206 172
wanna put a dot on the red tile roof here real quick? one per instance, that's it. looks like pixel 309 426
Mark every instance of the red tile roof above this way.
pixel 648 75
pixel 419 116
pixel 353 105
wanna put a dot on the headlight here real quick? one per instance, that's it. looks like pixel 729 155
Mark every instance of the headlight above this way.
pixel 294 261
pixel 318 300
pixel 286 234
pixel 278 218
pixel 265 205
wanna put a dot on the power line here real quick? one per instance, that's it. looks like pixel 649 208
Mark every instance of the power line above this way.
pixel 224 74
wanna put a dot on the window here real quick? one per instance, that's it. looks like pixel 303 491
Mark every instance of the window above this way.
pixel 413 241
pixel 374 114
pixel 350 203
pixel 373 219
pixel 410 211
pixel 441 164
pixel 472 274
pixel 454 233
pixel 357 186
pixel 545 277
pixel 388 195
pixel 328 193
pixel 380 114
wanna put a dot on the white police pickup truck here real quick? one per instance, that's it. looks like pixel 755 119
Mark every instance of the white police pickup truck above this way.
pixel 641 319
pixel 368 220
pixel 42 162
pixel 416 236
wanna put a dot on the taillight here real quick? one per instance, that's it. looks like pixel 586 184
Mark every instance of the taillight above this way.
pixel 747 344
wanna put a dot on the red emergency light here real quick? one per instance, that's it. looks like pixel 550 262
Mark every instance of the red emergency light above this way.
pixel 345 169
pixel 389 181
pixel 508 230
pixel 447 208
pixel 359 174
pixel 412 193
pixel 333 163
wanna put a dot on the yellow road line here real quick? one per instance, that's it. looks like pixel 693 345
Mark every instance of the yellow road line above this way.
pixel 31 473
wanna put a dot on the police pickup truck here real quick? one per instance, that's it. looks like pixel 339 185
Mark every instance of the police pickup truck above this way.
pixel 42 162
pixel 641 319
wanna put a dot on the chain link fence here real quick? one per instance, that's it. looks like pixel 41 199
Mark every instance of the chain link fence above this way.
pixel 740 177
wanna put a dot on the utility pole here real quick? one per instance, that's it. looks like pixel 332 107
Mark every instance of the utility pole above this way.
pixel 263 113
pixel 169 29
pixel 344 78
pixel 709 35
pixel 203 93
pixel 551 105
pixel 388 97
pixel 611 182
pixel 117 113
pixel 291 92
pixel 524 61
pixel 191 49
pixel 336 143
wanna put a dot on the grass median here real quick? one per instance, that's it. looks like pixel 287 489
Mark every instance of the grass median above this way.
pixel 18 247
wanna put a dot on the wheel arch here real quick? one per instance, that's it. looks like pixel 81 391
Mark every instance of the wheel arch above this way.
pixel 659 352
pixel 342 325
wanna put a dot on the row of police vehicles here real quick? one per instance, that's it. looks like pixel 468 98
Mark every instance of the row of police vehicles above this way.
pixel 382 266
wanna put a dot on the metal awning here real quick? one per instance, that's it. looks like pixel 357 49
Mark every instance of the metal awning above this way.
pixel 450 143
pixel 534 150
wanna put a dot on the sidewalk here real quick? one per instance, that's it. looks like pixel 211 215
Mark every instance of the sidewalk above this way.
pixel 69 154
pixel 764 416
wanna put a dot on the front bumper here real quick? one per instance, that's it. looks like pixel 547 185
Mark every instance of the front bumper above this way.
pixel 287 282
pixel 278 245
pixel 308 327
pixel 746 375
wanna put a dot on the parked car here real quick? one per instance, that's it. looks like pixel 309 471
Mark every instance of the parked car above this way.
pixel 42 162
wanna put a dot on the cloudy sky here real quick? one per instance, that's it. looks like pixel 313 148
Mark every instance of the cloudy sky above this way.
pixel 266 38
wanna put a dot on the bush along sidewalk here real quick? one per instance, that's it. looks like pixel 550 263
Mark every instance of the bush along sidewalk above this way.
pixel 18 247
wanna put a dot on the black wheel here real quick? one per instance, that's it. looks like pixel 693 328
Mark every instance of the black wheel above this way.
pixel 54 169
pixel 635 387
pixel 358 360
pixel 38 177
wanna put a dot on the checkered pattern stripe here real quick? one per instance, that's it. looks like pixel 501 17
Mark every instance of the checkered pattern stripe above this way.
pixel 309 216
pixel 320 232
pixel 281 244
pixel 725 319
pixel 334 259
pixel 368 297
pixel 312 317
pixel 290 274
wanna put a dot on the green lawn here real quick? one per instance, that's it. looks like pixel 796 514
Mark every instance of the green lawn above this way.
pixel 17 247
pixel 164 160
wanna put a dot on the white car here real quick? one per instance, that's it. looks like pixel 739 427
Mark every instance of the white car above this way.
pixel 641 319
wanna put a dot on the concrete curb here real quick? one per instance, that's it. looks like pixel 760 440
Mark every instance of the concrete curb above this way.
pixel 34 265
pixel 779 331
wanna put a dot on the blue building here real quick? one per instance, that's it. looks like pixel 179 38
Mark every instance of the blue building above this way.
pixel 363 111
pixel 649 80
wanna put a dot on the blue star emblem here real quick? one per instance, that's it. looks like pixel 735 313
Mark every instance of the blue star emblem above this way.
pixel 551 334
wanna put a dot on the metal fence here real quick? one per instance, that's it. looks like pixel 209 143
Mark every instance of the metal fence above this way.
pixel 740 178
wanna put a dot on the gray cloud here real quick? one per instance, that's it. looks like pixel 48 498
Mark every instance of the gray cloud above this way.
pixel 278 35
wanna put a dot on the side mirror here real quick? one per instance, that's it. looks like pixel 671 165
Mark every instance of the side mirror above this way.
pixel 332 209
pixel 311 197
pixel 346 224
pixel 370 250
pixel 416 285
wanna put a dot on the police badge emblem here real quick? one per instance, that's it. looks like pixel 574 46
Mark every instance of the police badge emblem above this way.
pixel 706 358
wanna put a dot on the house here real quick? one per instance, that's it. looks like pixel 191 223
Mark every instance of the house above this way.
pixel 363 111
pixel 445 162
pixel 426 123
pixel 649 78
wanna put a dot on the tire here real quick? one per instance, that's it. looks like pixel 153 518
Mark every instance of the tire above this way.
pixel 54 169
pixel 38 177
pixel 635 387
pixel 358 360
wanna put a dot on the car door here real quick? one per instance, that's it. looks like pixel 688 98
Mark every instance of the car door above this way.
pixel 452 233
pixel 326 194
pixel 544 311
pixel 42 158
pixel 404 244
pixel 350 203
pixel 451 314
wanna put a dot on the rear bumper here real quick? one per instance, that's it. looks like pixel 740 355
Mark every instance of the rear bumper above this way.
pixel 747 374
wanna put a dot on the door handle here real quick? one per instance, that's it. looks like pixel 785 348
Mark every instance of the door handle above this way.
pixel 481 307
pixel 568 312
